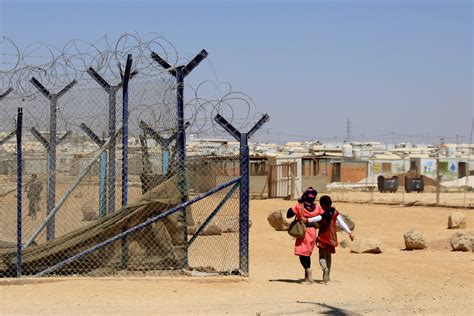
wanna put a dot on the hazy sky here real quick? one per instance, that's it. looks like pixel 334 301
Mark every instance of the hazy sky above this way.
pixel 399 70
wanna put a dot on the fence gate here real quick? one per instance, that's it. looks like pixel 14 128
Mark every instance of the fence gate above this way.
pixel 281 180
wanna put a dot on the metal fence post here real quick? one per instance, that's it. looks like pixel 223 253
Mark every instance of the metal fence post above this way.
pixel 112 94
pixel 51 147
pixel 103 184
pixel 111 153
pixel 437 181
pixel 164 143
pixel 180 73
pixel 7 138
pixel 51 184
pixel 244 185
pixel 19 160
pixel 102 170
pixel 125 80
pixel 244 204
pixel 3 95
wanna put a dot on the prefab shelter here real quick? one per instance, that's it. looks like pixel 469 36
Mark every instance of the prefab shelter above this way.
pixel 285 177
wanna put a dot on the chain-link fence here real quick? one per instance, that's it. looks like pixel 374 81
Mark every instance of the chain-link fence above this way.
pixel 443 178
pixel 446 181
pixel 410 181
pixel 100 199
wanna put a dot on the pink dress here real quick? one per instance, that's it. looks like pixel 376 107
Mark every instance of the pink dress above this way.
pixel 304 246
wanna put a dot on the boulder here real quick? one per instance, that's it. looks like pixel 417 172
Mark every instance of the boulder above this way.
pixel 232 225
pixel 7 244
pixel 211 230
pixel 348 220
pixel 192 230
pixel 366 245
pixel 89 215
pixel 278 220
pixel 463 241
pixel 457 220
pixel 414 240
pixel 136 250
pixel 88 212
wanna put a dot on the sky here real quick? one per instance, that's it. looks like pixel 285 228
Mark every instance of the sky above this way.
pixel 398 70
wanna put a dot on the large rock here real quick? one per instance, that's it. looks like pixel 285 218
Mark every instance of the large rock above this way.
pixel 366 245
pixel 348 220
pixel 414 240
pixel 210 230
pixel 89 216
pixel 463 241
pixel 7 244
pixel 457 220
pixel 277 220
pixel 88 213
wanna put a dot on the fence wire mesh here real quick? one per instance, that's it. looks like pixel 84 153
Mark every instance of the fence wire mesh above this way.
pixel 70 171
pixel 407 181
pixel 432 179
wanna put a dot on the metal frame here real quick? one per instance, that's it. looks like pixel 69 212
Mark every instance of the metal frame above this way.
pixel 138 227
pixel 244 184
pixel 3 95
pixel 102 170
pixel 112 92
pixel 180 72
pixel 165 143
pixel 19 161
pixel 7 138
pixel 51 145
pixel 125 79
pixel 81 176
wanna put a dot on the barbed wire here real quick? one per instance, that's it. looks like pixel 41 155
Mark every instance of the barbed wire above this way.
pixel 56 67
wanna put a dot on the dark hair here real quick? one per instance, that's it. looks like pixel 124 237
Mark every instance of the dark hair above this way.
pixel 325 200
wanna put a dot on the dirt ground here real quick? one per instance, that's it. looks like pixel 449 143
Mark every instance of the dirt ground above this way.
pixel 396 282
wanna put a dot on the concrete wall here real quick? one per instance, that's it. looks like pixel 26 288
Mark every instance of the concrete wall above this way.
pixel 353 171
pixel 317 182
pixel 257 184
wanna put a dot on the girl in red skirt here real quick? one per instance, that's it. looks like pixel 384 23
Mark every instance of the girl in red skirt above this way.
pixel 327 236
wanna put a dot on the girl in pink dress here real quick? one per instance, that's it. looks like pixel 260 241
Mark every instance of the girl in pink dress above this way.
pixel 306 208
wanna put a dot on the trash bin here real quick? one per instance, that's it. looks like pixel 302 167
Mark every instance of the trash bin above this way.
pixel 414 184
pixel 387 184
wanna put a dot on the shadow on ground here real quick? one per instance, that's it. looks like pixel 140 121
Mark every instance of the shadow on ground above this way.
pixel 298 281
pixel 329 310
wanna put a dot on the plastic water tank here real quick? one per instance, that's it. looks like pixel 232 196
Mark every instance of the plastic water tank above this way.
pixel 450 151
pixel 346 150
pixel 357 153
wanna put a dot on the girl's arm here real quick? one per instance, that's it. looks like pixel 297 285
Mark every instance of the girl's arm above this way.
pixel 315 219
pixel 344 226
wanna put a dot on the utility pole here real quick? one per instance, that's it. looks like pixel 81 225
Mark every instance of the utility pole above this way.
pixel 348 130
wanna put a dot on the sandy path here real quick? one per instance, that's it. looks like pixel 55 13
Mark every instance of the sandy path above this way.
pixel 397 282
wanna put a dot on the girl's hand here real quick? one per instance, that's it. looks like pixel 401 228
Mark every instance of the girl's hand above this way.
pixel 304 220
